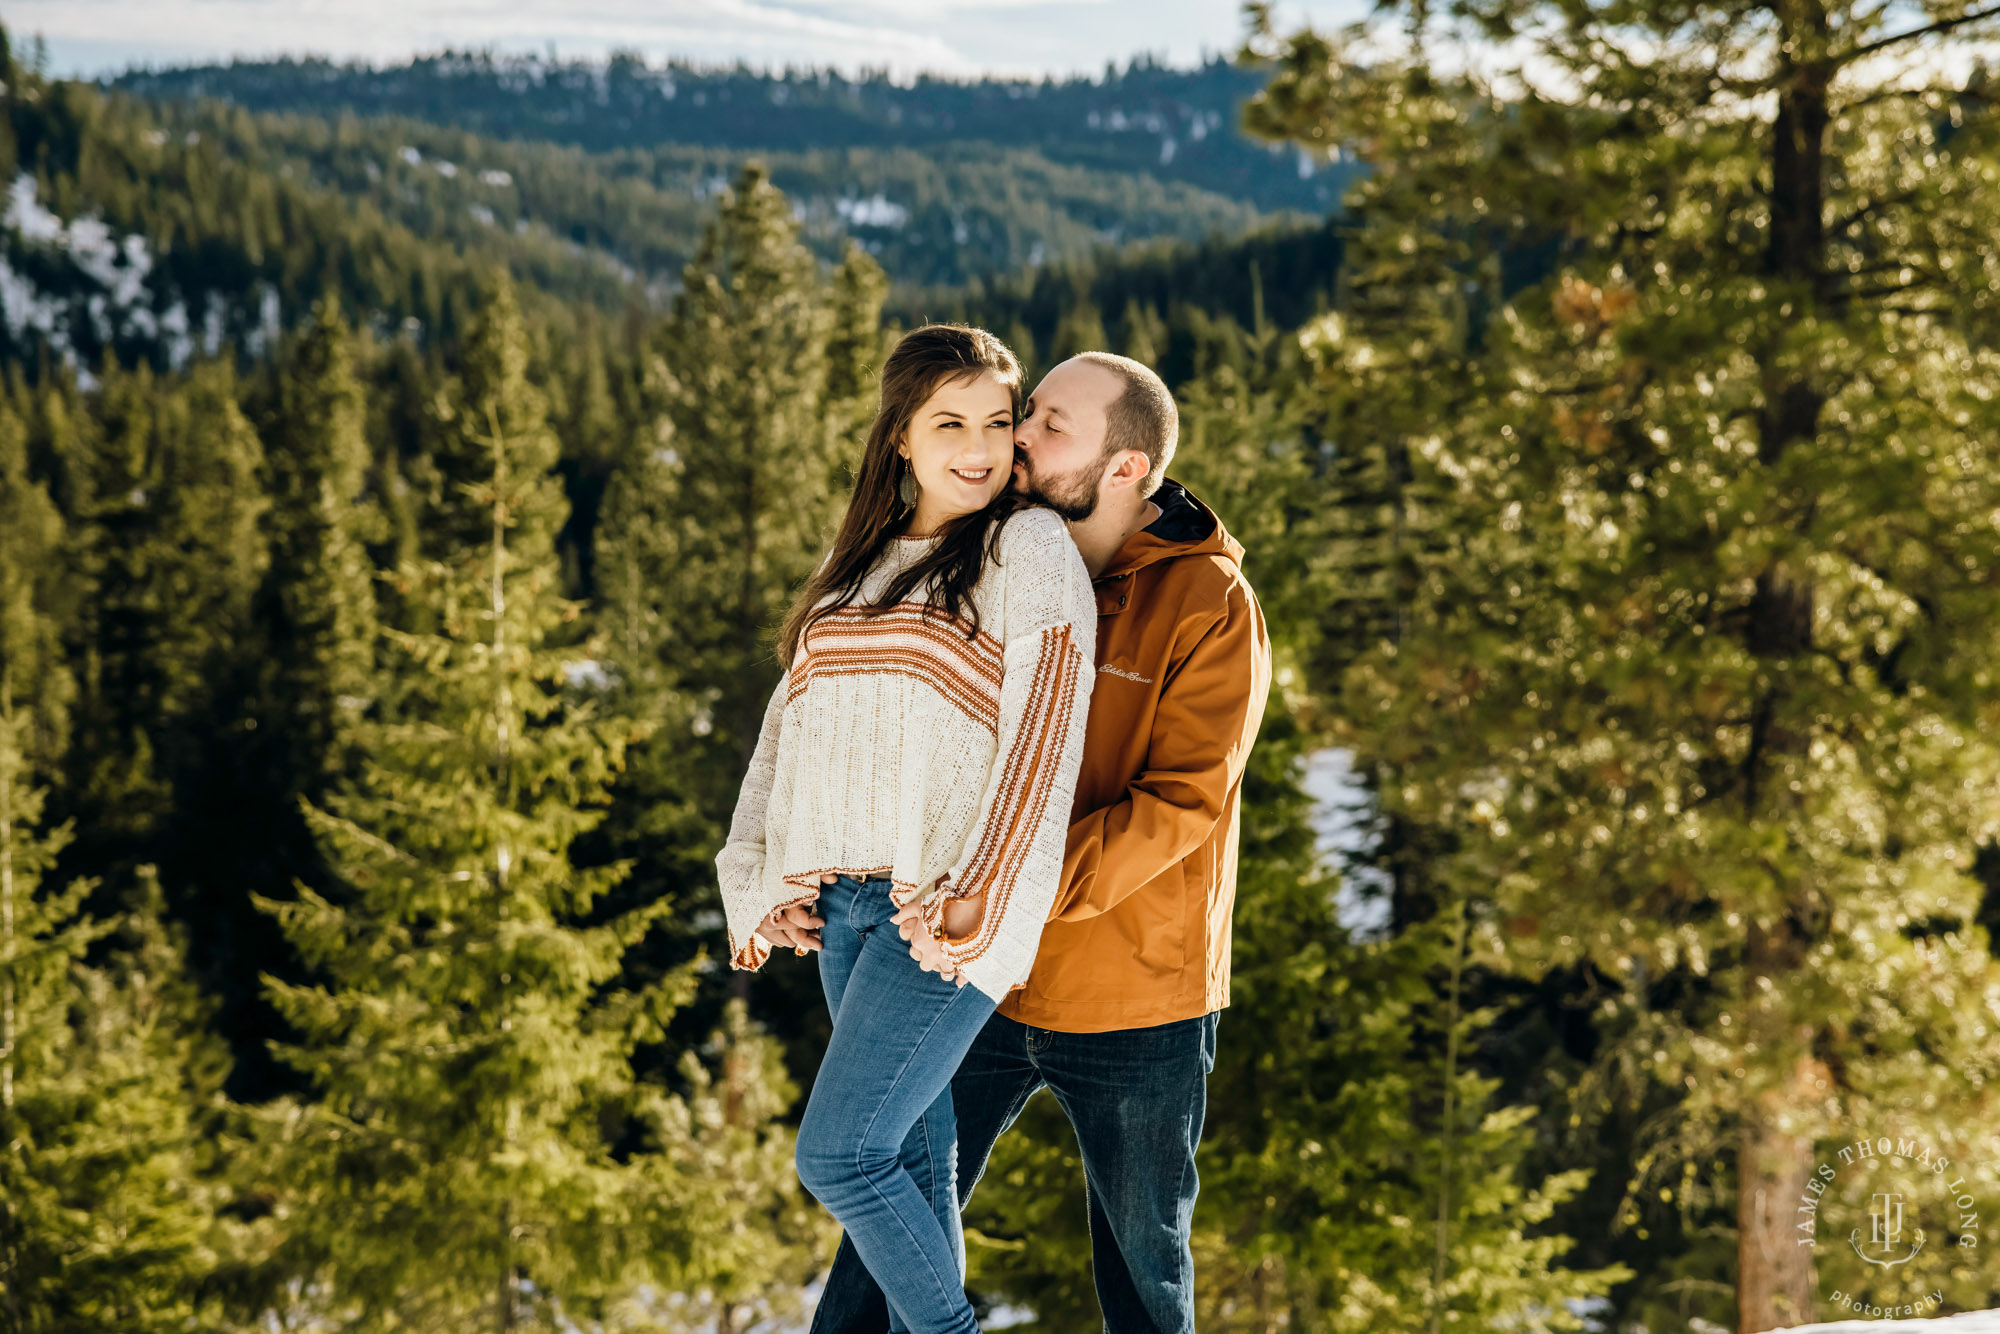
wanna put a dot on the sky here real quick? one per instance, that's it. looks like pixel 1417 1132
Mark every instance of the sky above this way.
pixel 956 37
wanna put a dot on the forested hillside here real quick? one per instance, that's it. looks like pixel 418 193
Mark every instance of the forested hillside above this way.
pixel 189 226
pixel 941 182
pixel 125 239
pixel 933 217
pixel 1173 124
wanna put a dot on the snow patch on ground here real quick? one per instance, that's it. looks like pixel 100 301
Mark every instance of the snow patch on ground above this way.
pixel 1970 1322
pixel 1344 818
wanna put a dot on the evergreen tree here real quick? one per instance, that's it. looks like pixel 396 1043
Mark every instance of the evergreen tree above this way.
pixel 1142 333
pixel 1081 329
pixel 286 695
pixel 1361 1173
pixel 761 381
pixel 161 479
pixel 744 492
pixel 1357 1173
pixel 162 483
pixel 320 604
pixel 592 423
pixel 1021 339
pixel 470 1057
pixel 856 343
pixel 103 1223
pixel 1695 670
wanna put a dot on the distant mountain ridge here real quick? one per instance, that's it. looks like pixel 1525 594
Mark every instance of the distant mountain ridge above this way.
pixel 1173 124
pixel 936 217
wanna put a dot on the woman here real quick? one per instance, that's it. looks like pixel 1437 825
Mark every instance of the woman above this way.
pixel 915 771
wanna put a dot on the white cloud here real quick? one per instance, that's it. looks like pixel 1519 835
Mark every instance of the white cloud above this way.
pixel 960 37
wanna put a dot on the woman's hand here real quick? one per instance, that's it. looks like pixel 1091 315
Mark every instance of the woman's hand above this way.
pixel 925 948
pixel 795 926
pixel 928 951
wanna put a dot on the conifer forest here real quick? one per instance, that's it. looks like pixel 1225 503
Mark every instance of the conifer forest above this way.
pixel 403 473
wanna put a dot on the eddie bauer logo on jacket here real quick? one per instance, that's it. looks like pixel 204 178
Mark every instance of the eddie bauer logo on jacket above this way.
pixel 1129 676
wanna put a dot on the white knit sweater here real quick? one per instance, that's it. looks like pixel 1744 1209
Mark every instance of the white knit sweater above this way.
pixel 897 746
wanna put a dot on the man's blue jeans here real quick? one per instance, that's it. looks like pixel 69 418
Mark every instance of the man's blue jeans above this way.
pixel 875 1142
pixel 1136 1097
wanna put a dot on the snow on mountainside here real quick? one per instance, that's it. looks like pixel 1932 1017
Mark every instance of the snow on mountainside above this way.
pixel 79 288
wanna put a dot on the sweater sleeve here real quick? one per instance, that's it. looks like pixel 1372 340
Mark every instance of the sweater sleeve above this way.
pixel 1014 856
pixel 739 867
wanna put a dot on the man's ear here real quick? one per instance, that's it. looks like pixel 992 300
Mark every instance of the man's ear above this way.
pixel 1132 467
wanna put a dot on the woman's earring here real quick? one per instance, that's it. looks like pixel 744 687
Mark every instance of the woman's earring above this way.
pixel 906 488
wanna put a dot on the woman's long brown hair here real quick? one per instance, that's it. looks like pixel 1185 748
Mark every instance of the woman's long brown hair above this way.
pixel 925 359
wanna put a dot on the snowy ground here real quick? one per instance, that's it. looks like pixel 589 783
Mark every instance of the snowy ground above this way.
pixel 1972 1322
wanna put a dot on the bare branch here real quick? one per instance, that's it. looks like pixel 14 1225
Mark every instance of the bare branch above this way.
pixel 1839 225
pixel 1876 293
pixel 1928 30
pixel 1881 95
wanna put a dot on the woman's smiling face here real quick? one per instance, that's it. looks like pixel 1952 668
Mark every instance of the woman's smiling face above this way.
pixel 961 445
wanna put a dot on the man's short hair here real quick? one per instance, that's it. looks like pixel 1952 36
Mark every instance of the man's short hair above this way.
pixel 1142 417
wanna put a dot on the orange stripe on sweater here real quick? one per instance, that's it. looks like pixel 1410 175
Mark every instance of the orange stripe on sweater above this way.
pixel 1052 702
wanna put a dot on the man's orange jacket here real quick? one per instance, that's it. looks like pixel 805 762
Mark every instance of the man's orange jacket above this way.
pixel 1139 934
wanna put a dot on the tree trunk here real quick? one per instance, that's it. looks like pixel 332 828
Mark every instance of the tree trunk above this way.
pixel 1775 1285
pixel 9 1227
pixel 7 948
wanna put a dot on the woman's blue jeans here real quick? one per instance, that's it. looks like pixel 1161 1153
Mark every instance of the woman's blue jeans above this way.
pixel 899 1034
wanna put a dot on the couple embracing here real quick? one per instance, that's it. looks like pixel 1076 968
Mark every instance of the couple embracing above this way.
pixel 996 794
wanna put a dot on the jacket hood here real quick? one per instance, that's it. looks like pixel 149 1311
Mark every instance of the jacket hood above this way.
pixel 1186 527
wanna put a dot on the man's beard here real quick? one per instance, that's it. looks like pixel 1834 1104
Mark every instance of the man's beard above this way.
pixel 1074 496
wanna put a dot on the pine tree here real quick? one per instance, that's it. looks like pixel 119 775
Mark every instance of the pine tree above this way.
pixel 743 494
pixel 1357 1173
pixel 1081 329
pixel 470 1055
pixel 1360 1173
pixel 320 601
pixel 585 405
pixel 761 383
pixel 103 1222
pixel 162 483
pixel 451 1045
pixel 1142 333
pixel 1021 339
pixel 855 343
pixel 1695 670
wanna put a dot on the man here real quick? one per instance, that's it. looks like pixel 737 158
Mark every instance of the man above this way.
pixel 1118 1018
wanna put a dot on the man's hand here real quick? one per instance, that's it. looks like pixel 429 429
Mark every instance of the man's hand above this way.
pixel 925 948
pixel 962 916
pixel 795 926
